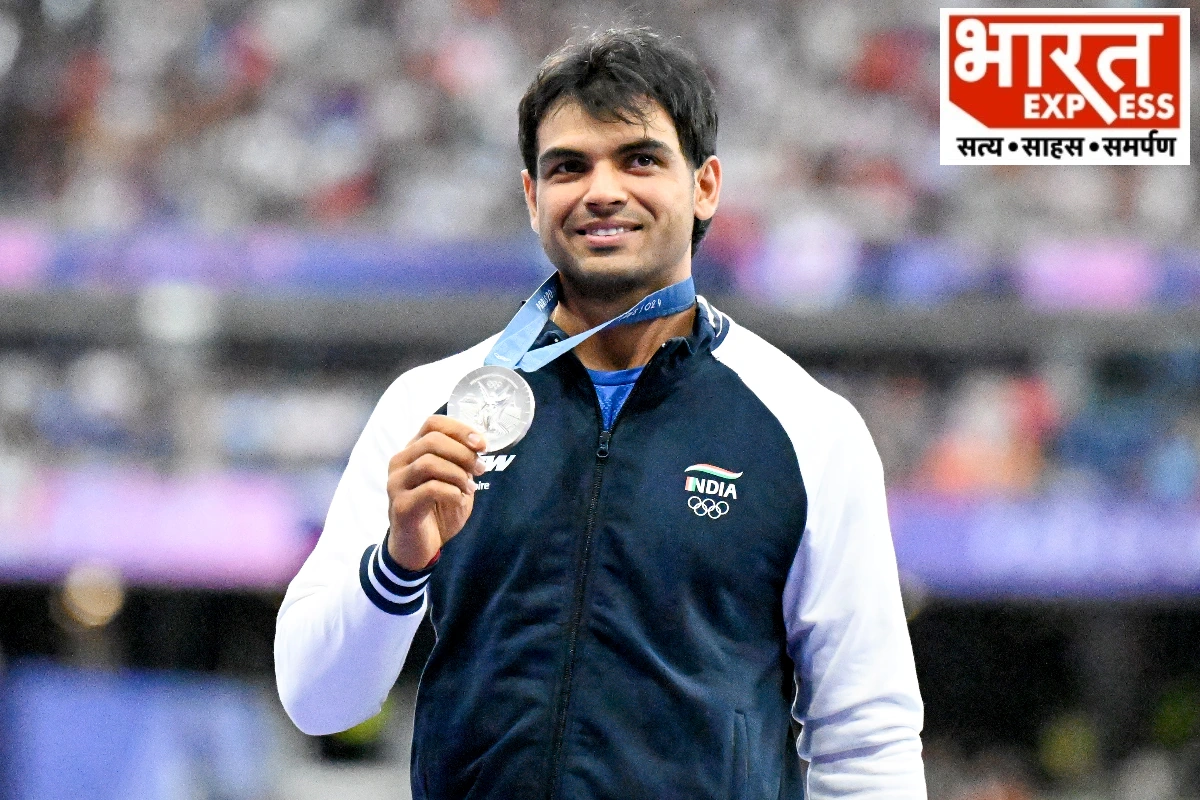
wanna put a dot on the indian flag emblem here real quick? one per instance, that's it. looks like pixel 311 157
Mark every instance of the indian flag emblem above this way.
pixel 720 484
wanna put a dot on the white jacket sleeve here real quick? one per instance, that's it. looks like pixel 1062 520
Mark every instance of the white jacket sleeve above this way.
pixel 349 616
pixel 858 698
pixel 857 694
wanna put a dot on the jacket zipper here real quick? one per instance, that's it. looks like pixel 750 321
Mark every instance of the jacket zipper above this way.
pixel 564 696
pixel 560 724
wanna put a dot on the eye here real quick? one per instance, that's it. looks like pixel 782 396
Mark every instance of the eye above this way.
pixel 567 167
pixel 642 160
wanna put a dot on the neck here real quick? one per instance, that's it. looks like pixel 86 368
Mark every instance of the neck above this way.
pixel 620 346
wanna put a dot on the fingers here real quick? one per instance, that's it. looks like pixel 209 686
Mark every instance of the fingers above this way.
pixel 424 519
pixel 429 496
pixel 442 446
pixel 430 485
pixel 430 467
pixel 455 429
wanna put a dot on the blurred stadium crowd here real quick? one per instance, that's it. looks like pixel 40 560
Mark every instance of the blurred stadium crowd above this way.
pixel 366 148
pixel 371 115
pixel 1133 430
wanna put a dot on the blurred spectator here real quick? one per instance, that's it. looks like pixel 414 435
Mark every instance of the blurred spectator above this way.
pixel 400 117
pixel 994 438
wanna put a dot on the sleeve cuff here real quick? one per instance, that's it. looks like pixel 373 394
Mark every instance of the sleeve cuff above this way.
pixel 391 587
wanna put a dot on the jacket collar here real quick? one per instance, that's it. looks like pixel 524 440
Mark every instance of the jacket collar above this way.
pixel 708 330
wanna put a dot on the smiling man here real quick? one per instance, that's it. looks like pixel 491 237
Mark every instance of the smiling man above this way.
pixel 677 579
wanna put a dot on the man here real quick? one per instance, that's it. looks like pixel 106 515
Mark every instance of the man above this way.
pixel 688 549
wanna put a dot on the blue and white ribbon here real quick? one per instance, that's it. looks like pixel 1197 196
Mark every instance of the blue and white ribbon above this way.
pixel 512 348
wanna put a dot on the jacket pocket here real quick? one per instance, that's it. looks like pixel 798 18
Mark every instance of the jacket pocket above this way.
pixel 741 756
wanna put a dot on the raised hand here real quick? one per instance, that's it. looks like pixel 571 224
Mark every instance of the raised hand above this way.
pixel 431 489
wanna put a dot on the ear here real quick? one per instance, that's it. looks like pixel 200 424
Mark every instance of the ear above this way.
pixel 530 186
pixel 708 188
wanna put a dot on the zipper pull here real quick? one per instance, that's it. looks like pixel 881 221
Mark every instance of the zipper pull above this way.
pixel 602 450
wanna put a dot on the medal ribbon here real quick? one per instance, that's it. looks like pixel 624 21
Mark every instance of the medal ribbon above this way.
pixel 512 348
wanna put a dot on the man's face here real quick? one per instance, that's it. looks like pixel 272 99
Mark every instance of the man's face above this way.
pixel 613 202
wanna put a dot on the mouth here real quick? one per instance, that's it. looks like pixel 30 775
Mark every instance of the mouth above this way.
pixel 607 234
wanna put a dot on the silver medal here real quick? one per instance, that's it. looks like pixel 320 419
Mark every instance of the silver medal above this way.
pixel 497 401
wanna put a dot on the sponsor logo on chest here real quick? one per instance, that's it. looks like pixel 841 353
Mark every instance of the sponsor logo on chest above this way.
pixel 496 463
pixel 493 464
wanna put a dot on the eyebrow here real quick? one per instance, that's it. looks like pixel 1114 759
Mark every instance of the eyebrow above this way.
pixel 638 145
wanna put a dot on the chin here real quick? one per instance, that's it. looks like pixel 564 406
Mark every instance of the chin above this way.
pixel 607 283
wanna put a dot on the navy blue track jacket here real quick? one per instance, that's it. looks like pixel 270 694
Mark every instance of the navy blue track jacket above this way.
pixel 649 611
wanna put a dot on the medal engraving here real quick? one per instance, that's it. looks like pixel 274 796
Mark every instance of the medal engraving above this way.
pixel 497 401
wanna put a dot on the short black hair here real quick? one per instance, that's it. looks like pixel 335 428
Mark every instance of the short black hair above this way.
pixel 611 74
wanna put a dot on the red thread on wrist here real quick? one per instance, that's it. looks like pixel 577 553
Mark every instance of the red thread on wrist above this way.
pixel 434 560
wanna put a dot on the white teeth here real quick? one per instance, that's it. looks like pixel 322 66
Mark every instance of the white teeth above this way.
pixel 607 231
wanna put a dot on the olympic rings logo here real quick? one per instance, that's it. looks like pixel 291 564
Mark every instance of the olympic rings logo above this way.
pixel 707 507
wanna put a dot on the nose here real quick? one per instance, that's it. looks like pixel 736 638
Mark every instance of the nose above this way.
pixel 605 193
